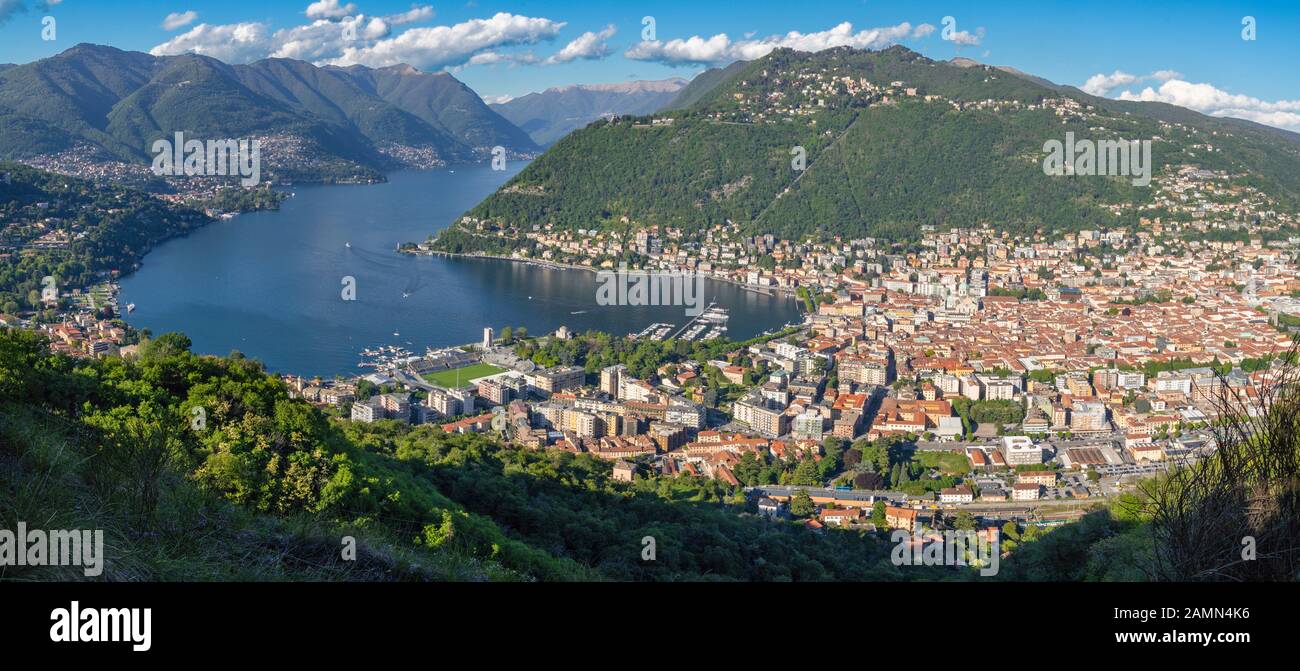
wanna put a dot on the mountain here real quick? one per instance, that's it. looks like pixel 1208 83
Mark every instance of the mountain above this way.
pixel 314 121
pixel 1155 110
pixel 893 141
pixel 553 113
pixel 442 101
pixel 702 84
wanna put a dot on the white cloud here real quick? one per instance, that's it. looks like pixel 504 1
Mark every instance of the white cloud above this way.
pixel 179 19
pixel 233 43
pixel 966 38
pixel 442 46
pixel 1204 98
pixel 1208 99
pixel 497 58
pixel 1100 85
pixel 373 40
pixel 721 49
pixel 588 46
pixel 330 9
pixel 325 39
pixel 414 15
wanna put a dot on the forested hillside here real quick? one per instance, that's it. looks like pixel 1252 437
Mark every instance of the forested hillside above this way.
pixel 266 487
pixel 110 229
pixel 890 140
pixel 336 121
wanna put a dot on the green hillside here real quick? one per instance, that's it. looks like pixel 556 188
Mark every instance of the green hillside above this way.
pixel 702 84
pixel 119 102
pixel 111 229
pixel 923 143
pixel 266 487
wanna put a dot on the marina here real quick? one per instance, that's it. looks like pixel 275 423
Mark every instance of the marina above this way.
pixel 387 356
pixel 711 323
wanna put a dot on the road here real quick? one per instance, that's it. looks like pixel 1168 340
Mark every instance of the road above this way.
pixel 1041 510
pixel 1056 443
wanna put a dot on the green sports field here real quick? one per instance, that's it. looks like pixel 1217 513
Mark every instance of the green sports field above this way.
pixel 447 378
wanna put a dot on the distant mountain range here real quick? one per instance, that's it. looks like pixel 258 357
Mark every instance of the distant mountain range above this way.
pixel 340 118
pixel 553 113
pixel 702 84
pixel 891 141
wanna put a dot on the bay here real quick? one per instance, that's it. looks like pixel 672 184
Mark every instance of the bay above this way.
pixel 269 284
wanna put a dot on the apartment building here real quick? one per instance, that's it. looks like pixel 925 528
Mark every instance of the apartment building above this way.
pixel 1020 450
pixel 765 417
pixel 554 380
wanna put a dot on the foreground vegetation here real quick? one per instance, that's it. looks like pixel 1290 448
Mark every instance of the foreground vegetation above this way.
pixel 203 468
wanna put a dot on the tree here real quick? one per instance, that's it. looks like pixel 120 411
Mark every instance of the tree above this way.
pixel 140 449
pixel 807 473
pixel 964 521
pixel 165 346
pixel 801 505
pixel 868 481
pixel 878 514
pixel 1247 489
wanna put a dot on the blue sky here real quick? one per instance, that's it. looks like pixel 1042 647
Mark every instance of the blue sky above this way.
pixel 1190 53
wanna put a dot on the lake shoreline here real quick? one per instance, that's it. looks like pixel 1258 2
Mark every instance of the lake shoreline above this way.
pixel 268 283
pixel 775 292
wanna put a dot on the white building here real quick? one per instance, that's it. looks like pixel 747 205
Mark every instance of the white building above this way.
pixel 958 494
pixel 1024 491
pixel 1130 380
pixel 809 425
pixel 1020 450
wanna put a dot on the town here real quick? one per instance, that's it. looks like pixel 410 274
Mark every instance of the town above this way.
pixel 1021 380
pixel 1011 379
pixel 1003 377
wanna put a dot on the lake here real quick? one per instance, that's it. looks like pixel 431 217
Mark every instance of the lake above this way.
pixel 269 284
